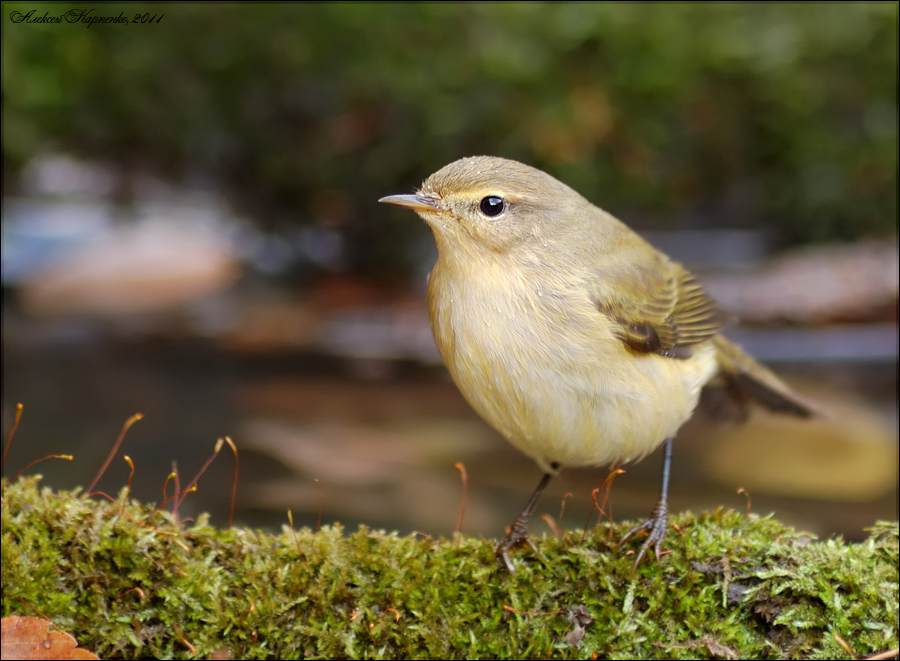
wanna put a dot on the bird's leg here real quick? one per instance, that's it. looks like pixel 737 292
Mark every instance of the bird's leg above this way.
pixel 518 532
pixel 658 522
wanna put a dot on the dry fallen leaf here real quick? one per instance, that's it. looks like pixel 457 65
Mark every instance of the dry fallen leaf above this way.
pixel 31 638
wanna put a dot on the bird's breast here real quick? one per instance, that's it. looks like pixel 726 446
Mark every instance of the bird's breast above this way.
pixel 542 365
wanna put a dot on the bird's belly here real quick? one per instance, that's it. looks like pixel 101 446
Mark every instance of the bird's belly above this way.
pixel 571 398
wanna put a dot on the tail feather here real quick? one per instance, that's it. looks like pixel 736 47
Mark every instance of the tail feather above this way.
pixel 742 380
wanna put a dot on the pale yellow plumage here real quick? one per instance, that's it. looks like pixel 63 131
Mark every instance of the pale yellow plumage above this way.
pixel 562 387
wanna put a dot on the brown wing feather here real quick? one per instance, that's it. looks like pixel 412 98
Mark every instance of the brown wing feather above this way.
pixel 695 314
pixel 659 308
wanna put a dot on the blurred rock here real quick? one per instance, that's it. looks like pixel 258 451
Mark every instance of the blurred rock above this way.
pixel 848 283
pixel 158 263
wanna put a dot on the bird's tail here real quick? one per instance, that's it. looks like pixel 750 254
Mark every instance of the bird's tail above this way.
pixel 742 380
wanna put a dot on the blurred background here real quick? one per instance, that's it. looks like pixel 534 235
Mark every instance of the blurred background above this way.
pixel 190 231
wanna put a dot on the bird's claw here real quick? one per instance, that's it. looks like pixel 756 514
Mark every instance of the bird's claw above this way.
pixel 657 525
pixel 517 536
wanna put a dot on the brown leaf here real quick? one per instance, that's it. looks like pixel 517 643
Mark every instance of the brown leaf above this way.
pixel 31 638
pixel 718 649
pixel 581 619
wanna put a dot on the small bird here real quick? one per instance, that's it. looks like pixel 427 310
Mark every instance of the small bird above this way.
pixel 573 337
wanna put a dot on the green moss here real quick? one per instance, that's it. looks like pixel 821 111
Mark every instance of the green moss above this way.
pixel 125 580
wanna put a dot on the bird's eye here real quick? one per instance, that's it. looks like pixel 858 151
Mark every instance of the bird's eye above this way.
pixel 492 205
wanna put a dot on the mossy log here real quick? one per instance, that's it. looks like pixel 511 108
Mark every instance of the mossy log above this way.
pixel 129 581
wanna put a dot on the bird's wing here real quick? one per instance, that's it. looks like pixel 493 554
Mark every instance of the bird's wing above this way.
pixel 657 306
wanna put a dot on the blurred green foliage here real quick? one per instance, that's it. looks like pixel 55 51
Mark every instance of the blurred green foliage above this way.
pixel 776 116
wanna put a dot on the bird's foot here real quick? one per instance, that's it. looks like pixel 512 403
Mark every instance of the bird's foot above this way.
pixel 517 536
pixel 657 526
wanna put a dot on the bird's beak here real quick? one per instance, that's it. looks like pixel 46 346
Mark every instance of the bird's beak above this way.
pixel 417 202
